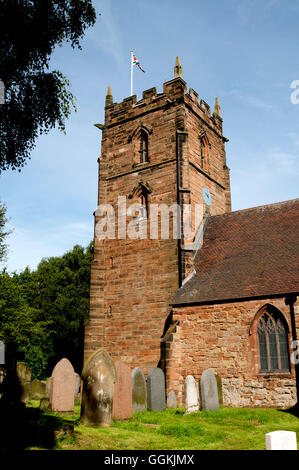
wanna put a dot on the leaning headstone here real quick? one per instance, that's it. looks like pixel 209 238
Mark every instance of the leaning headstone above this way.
pixel 191 395
pixel 281 440
pixel 122 400
pixel 99 376
pixel 138 390
pixel 62 387
pixel 156 389
pixel 38 389
pixel 171 399
pixel 24 376
pixel 209 400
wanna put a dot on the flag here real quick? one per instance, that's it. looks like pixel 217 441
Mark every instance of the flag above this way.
pixel 136 62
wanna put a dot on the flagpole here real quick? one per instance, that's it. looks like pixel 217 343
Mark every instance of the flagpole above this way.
pixel 132 73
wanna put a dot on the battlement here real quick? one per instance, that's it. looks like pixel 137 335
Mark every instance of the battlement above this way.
pixel 174 93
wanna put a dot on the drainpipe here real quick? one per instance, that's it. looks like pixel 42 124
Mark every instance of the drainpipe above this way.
pixel 290 300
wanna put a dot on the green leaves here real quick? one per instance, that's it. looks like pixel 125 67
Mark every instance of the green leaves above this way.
pixel 36 99
pixel 58 291
pixel 3 232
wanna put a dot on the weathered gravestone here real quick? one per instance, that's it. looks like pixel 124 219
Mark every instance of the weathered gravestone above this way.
pixel 62 387
pixel 138 390
pixel 24 376
pixel 209 400
pixel 156 389
pixel 122 400
pixel 77 390
pixel 48 386
pixel 44 404
pixel 171 399
pixel 191 395
pixel 38 389
pixel 219 386
pixel 281 440
pixel 99 376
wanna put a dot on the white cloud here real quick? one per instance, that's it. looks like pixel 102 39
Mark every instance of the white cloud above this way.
pixel 250 100
pixel 107 36
pixel 27 246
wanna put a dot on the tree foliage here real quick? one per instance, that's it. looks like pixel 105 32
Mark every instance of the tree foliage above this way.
pixel 21 330
pixel 3 232
pixel 59 291
pixel 36 99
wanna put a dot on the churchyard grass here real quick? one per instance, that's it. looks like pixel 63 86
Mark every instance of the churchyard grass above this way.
pixel 225 429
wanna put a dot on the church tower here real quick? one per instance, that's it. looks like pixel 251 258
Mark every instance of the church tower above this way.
pixel 161 152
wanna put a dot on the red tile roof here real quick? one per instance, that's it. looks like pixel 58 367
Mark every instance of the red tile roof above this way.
pixel 248 253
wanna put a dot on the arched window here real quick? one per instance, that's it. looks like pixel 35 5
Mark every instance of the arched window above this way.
pixel 204 153
pixel 272 334
pixel 143 147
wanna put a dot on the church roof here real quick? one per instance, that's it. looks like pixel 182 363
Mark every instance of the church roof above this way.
pixel 247 253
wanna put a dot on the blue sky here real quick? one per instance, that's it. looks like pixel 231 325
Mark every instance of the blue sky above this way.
pixel 243 51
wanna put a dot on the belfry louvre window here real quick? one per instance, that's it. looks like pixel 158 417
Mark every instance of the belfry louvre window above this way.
pixel 273 344
pixel 143 148
pixel 204 153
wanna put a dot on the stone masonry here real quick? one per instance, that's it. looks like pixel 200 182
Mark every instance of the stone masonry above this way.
pixel 132 281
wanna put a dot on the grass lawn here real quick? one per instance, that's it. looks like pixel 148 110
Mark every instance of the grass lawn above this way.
pixel 226 429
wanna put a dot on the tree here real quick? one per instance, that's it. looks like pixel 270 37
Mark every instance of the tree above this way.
pixel 36 99
pixel 3 232
pixel 59 291
pixel 21 330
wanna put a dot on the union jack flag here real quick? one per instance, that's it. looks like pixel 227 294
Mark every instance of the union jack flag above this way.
pixel 136 62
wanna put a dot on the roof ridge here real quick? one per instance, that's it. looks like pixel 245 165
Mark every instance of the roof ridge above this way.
pixel 265 206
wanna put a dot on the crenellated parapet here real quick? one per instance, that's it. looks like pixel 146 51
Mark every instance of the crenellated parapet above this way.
pixel 174 93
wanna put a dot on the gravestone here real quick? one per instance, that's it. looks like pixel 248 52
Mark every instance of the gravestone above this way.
pixel 99 376
pixel 281 440
pixel 156 389
pixel 122 400
pixel 77 390
pixel 62 387
pixel 44 404
pixel 24 376
pixel 2 353
pixel 219 386
pixel 38 389
pixel 48 386
pixel 191 395
pixel 138 390
pixel 209 400
pixel 171 399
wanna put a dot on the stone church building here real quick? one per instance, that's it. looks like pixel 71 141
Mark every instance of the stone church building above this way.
pixel 227 303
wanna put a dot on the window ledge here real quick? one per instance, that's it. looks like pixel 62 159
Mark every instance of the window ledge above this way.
pixel 140 165
pixel 275 374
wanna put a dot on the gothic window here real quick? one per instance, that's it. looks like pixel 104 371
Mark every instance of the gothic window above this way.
pixel 143 206
pixel 204 153
pixel 143 147
pixel 272 334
